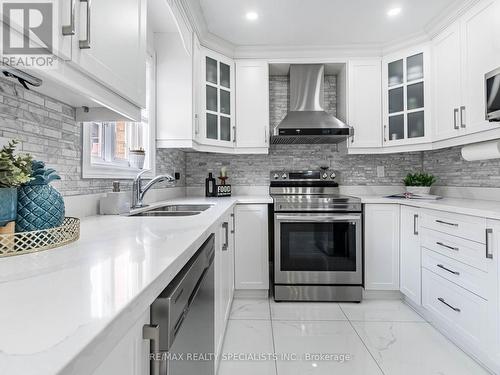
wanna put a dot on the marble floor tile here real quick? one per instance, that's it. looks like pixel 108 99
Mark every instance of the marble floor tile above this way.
pixel 247 337
pixel 321 337
pixel 380 311
pixel 250 309
pixel 414 349
pixel 306 311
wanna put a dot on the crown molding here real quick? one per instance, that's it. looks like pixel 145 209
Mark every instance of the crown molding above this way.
pixel 445 19
pixel 276 52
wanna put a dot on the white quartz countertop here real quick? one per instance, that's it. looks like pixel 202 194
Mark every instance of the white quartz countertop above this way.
pixel 474 207
pixel 63 310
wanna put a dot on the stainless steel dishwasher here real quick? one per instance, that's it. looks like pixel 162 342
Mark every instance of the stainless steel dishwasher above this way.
pixel 182 319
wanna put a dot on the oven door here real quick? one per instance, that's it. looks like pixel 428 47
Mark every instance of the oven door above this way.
pixel 318 248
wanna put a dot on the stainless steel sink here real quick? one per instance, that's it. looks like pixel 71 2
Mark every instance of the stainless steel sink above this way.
pixel 167 213
pixel 175 210
pixel 182 207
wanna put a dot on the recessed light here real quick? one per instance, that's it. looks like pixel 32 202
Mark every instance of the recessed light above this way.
pixel 251 16
pixel 393 11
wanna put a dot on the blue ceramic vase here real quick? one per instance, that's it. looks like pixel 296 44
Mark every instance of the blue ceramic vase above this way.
pixel 8 205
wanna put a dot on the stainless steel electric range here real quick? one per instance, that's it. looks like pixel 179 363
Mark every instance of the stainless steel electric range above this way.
pixel 317 238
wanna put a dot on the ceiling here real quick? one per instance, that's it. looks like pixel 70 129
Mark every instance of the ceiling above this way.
pixel 321 22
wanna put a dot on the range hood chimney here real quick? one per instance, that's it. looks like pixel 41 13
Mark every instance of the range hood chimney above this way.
pixel 307 121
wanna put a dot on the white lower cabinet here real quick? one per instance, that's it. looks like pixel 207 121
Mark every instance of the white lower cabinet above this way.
pixel 251 247
pixel 224 277
pixel 381 246
pixel 131 355
pixel 460 282
pixel 410 258
pixel 462 314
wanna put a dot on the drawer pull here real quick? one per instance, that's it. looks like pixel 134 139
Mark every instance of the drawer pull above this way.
pixel 447 269
pixel 447 223
pixel 489 232
pixel 447 304
pixel 447 246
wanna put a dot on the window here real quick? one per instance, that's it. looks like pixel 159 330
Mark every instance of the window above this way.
pixel 107 144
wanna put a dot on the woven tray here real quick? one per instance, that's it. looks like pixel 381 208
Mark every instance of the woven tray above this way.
pixel 39 240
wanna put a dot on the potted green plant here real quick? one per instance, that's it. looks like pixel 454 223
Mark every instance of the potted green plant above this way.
pixel 136 158
pixel 419 183
pixel 15 170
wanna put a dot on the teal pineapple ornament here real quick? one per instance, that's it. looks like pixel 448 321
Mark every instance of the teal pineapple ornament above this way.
pixel 39 205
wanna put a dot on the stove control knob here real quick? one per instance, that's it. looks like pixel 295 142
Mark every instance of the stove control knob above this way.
pixel 283 176
pixel 276 176
pixel 333 175
pixel 325 176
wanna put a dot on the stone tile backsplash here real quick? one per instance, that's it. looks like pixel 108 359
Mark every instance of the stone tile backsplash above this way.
pixel 48 130
pixel 452 170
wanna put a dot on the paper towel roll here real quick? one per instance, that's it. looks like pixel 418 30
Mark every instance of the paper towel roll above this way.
pixel 482 151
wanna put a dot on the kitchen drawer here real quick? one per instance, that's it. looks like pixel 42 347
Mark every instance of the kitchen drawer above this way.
pixel 463 314
pixel 468 252
pixel 470 278
pixel 469 227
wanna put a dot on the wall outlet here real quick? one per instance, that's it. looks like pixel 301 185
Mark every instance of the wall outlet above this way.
pixel 380 171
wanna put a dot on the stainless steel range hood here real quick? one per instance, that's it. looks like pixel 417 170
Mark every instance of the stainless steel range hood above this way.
pixel 307 121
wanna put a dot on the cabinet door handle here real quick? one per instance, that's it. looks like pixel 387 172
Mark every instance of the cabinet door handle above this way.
pixel 70 29
pixel 455 119
pixel 234 223
pixel 440 299
pixel 152 332
pixel 225 225
pixel 489 232
pixel 447 223
pixel 265 136
pixel 196 124
pixel 447 269
pixel 234 134
pixel 447 246
pixel 415 224
pixel 462 116
pixel 85 44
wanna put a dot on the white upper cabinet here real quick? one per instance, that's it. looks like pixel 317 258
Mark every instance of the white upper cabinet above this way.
pixel 462 54
pixel 480 54
pixel 365 103
pixel 217 101
pixel 447 88
pixel 406 96
pixel 110 45
pixel 252 106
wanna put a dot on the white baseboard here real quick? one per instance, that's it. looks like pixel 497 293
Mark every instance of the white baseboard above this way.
pixel 382 294
pixel 251 294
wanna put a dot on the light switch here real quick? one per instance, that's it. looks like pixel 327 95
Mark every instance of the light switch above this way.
pixel 380 171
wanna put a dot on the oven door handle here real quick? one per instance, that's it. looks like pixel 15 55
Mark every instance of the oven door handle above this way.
pixel 317 218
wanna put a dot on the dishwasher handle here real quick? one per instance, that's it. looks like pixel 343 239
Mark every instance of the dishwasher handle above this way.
pixel 151 332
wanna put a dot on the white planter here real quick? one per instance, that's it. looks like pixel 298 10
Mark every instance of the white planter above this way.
pixel 418 189
pixel 136 159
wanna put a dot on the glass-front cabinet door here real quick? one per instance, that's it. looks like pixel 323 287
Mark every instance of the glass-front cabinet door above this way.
pixel 217 119
pixel 406 97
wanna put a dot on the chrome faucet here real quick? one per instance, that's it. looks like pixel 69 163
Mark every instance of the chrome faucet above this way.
pixel 138 192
